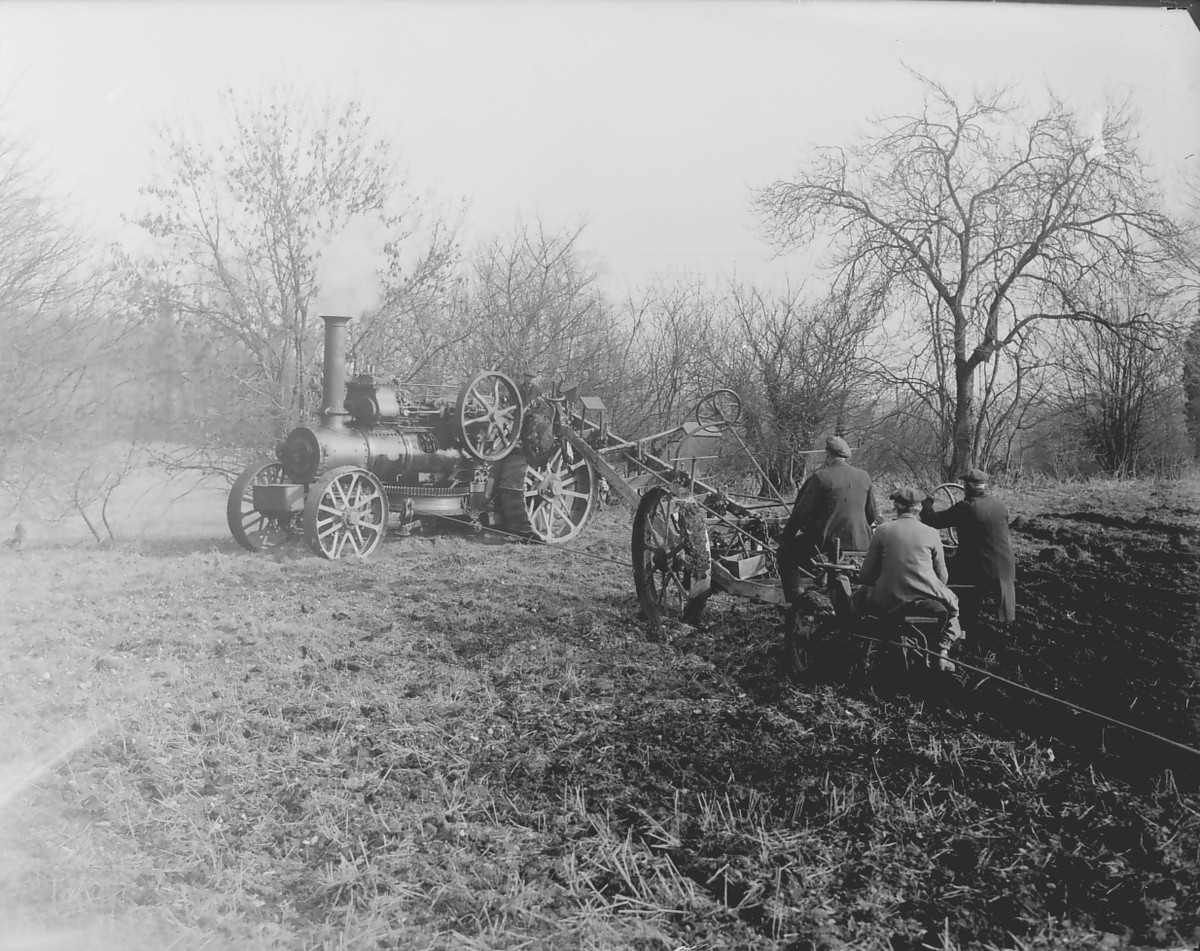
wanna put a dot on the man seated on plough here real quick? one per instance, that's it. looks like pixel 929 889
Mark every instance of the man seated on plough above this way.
pixel 834 510
pixel 906 563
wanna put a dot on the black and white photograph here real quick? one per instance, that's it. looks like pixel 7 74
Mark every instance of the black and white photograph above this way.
pixel 599 475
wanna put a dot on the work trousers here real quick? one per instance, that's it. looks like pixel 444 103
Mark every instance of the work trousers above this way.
pixel 791 558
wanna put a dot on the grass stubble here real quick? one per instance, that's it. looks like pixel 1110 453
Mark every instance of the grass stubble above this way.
pixel 463 745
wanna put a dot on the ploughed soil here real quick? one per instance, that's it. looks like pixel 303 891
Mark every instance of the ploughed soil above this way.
pixel 469 745
pixel 929 811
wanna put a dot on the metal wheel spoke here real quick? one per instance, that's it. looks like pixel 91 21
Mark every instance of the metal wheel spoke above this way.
pixel 540 518
pixel 667 578
pixel 670 558
pixel 254 530
pixel 252 519
pixel 563 513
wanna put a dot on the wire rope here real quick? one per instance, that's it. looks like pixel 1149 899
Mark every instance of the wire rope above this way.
pixel 1040 693
pixel 991 675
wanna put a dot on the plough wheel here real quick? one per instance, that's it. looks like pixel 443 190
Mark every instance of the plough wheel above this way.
pixel 944 496
pixel 489 416
pixel 672 567
pixel 551 502
pixel 253 530
pixel 719 408
pixel 346 513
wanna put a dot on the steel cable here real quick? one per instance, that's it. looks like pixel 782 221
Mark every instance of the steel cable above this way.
pixel 1039 693
pixel 863 637
pixel 536 542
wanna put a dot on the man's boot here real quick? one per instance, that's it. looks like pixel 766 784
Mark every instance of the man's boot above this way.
pixel 943 662
pixel 795 640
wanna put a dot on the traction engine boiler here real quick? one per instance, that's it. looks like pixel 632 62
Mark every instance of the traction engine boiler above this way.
pixel 374 457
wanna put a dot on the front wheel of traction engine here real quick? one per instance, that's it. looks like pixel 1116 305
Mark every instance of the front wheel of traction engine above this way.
pixel 252 529
pixel 346 513
pixel 672 558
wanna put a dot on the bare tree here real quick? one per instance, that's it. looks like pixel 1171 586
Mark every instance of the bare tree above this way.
pixel 1119 392
pixel 63 357
pixel 1191 387
pixel 1003 220
pixel 800 370
pixel 674 333
pixel 918 380
pixel 413 331
pixel 530 304
pixel 241 219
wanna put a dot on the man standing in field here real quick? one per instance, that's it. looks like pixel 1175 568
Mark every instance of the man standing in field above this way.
pixel 905 563
pixel 836 505
pixel 985 556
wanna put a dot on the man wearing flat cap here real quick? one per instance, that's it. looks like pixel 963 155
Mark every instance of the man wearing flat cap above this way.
pixel 985 556
pixel 906 562
pixel 835 505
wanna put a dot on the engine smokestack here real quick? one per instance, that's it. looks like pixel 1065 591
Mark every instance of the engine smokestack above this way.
pixel 333 393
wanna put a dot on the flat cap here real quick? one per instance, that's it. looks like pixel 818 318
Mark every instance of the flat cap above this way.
pixel 908 495
pixel 975 477
pixel 837 446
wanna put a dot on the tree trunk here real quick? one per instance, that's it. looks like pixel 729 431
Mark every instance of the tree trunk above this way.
pixel 963 441
pixel 1191 388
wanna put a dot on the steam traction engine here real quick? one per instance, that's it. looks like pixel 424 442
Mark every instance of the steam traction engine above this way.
pixel 375 457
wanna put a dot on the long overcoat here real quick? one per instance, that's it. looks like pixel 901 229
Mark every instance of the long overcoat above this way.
pixel 985 554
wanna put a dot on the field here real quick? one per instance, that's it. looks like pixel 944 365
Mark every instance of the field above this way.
pixel 465 743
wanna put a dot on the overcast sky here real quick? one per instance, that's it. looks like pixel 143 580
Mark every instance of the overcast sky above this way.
pixel 652 120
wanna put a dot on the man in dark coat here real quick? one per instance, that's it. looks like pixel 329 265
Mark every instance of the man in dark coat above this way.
pixel 835 505
pixel 985 555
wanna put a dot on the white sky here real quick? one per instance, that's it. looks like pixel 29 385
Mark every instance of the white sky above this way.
pixel 652 120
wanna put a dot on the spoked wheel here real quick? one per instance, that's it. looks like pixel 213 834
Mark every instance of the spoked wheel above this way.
pixel 944 496
pixel 552 502
pixel 719 408
pixel 672 569
pixel 346 514
pixel 252 529
pixel 489 416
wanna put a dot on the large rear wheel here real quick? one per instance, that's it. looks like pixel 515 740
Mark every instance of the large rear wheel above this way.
pixel 253 530
pixel 551 502
pixel 718 409
pixel 346 514
pixel 672 560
